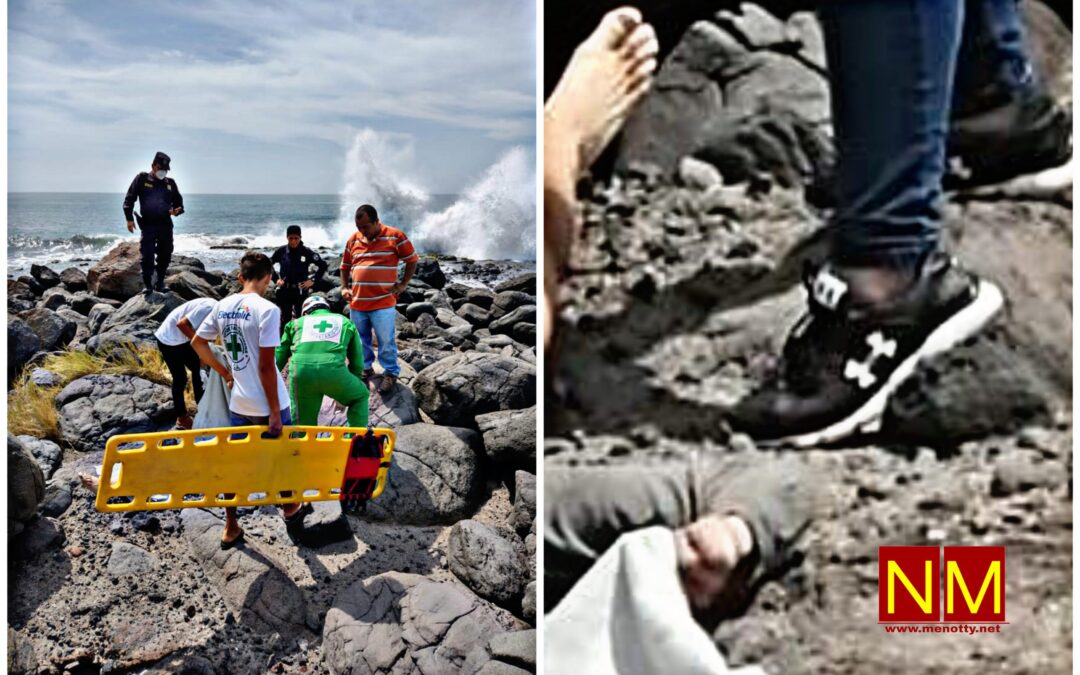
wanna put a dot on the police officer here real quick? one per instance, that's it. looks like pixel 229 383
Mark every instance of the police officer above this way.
pixel 295 280
pixel 159 200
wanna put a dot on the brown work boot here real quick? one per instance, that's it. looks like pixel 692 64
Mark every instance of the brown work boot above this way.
pixel 387 384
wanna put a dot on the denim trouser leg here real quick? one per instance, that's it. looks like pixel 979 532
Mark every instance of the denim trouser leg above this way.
pixel 363 325
pixel 891 68
pixel 993 55
pixel 384 323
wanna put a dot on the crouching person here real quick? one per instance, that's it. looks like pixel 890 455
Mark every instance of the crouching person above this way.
pixel 327 359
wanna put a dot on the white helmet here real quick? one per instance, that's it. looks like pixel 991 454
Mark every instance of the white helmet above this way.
pixel 313 303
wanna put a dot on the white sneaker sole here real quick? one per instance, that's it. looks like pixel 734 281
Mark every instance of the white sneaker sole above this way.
pixel 867 419
pixel 1046 184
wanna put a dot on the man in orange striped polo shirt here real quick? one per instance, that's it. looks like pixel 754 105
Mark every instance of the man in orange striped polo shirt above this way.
pixel 369 283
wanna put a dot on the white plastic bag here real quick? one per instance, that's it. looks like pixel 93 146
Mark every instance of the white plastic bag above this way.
pixel 629 616
pixel 213 410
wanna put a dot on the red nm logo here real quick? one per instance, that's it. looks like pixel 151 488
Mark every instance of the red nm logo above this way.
pixel 910 584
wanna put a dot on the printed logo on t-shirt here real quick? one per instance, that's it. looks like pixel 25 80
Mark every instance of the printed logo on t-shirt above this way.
pixel 322 328
pixel 236 346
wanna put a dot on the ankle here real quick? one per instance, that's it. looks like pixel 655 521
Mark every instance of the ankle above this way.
pixel 876 285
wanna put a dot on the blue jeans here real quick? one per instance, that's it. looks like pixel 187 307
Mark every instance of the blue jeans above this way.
pixel 384 323
pixel 239 420
pixel 892 69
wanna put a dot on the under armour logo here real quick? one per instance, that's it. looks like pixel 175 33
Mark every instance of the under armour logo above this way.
pixel 862 372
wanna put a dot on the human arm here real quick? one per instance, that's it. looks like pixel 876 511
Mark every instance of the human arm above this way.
pixel 275 262
pixel 400 286
pixel 354 350
pixel 129 203
pixel 268 377
pixel 185 327
pixel 177 200
pixel 346 289
pixel 206 355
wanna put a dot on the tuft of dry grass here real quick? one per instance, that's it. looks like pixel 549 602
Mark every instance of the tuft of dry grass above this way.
pixel 31 408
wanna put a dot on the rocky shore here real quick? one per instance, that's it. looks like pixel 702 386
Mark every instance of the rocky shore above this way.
pixel 683 287
pixel 438 575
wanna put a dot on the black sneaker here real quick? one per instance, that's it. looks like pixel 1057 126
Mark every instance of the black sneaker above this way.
pixel 159 286
pixel 842 362
pixel 1008 137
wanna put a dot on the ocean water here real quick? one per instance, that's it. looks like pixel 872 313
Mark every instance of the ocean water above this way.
pixel 493 219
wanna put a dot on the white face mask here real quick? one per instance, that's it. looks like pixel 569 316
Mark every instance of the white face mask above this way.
pixel 161 174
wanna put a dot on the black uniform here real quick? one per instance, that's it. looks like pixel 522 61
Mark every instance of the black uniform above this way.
pixel 295 267
pixel 155 197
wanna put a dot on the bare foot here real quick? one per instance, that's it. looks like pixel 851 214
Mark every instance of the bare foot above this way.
pixel 708 551
pixel 89 482
pixel 231 533
pixel 607 75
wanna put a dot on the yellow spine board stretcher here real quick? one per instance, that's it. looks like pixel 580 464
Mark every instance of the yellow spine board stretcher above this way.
pixel 197 468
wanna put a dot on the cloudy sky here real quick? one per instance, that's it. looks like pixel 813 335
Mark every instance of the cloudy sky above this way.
pixel 263 97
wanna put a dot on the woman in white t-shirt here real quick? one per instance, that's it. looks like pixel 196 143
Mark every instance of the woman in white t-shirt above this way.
pixel 174 341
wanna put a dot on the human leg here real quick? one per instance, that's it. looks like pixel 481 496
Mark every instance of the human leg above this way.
pixel 887 298
pixel 176 361
pixel 164 254
pixel 348 390
pixel 194 366
pixel 384 323
pixel 307 388
pixel 610 72
pixel 1005 122
pixel 148 237
pixel 362 321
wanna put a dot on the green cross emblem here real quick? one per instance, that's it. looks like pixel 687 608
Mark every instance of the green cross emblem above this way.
pixel 323 325
pixel 234 346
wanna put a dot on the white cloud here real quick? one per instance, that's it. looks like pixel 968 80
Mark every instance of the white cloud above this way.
pixel 297 72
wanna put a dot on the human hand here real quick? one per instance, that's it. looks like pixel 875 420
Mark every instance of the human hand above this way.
pixel 346 294
pixel 275 424
pixel 280 283
pixel 397 289
pixel 228 377
pixel 307 284
pixel 708 551
pixel 174 211
pixel 131 225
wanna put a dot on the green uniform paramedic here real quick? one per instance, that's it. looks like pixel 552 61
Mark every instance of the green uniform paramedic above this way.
pixel 319 344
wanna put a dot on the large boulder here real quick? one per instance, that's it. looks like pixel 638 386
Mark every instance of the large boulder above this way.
pixel 135 322
pixel 510 437
pixel 405 623
pixel 491 563
pixel 96 407
pixel 474 314
pixel 429 271
pixel 524 501
pixel 74 279
pixel 511 653
pixel 507 322
pixel 55 298
pixel 524 283
pixel 190 286
pixel 414 310
pixel 47 454
pixel 23 343
pixel 434 476
pixel 26 484
pixel 260 594
pixel 21 297
pixel 54 331
pixel 99 314
pixel 458 388
pixel 83 303
pixel 119 275
pixel 394 410
pixel 45 277
pixel 507 301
